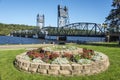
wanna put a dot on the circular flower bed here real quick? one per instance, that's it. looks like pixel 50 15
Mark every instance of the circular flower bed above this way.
pixel 64 60
pixel 62 55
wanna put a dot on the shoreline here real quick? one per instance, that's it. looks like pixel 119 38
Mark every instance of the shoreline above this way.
pixel 22 46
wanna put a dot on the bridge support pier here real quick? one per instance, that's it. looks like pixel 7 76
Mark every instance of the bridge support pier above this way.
pixel 61 38
pixel 26 36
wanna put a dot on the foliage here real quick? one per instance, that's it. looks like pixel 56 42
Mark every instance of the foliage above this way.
pixel 6 29
pixel 76 57
pixel 48 54
pixel 114 17
pixel 87 53
pixel 26 57
pixel 96 57
pixel 54 56
pixel 84 61
pixel 60 61
pixel 68 56
pixel 45 56
pixel 34 54
pixel 37 60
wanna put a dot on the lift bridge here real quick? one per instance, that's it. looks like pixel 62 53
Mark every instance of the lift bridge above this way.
pixel 64 28
pixel 74 29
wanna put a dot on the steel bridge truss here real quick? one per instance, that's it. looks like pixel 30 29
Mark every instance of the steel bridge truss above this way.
pixel 77 29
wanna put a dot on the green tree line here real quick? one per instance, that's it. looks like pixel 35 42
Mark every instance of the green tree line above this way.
pixel 6 29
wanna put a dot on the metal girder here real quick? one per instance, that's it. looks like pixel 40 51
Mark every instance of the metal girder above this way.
pixel 80 28
pixel 74 29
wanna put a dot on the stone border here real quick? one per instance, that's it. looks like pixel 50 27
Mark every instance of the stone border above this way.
pixel 65 69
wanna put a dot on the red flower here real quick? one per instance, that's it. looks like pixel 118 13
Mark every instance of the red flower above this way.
pixel 53 56
pixel 68 55
pixel 87 53
pixel 33 54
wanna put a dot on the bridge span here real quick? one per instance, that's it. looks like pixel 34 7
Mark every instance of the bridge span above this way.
pixel 78 30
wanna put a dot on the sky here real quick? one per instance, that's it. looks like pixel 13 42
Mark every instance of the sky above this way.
pixel 25 11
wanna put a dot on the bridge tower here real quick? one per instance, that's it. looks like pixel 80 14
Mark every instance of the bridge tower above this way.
pixel 63 17
pixel 40 21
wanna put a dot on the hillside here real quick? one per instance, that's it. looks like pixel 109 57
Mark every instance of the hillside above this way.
pixel 5 29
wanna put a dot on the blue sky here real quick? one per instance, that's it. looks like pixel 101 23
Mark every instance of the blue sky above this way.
pixel 25 11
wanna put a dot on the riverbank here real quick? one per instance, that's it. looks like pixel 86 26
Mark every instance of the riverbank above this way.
pixel 22 46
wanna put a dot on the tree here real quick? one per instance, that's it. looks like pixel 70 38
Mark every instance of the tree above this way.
pixel 114 17
pixel 6 29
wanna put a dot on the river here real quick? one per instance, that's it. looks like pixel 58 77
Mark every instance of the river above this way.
pixel 80 38
pixel 20 40
pixel 49 39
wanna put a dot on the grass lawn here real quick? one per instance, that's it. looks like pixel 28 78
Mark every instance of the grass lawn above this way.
pixel 9 72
